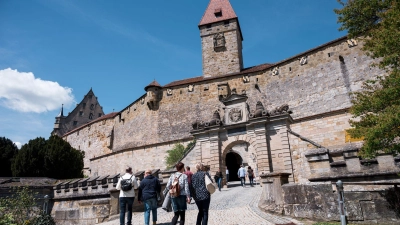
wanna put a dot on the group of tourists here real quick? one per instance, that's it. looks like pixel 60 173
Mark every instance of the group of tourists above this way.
pixel 182 187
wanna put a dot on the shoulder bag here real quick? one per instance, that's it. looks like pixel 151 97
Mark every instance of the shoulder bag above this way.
pixel 209 184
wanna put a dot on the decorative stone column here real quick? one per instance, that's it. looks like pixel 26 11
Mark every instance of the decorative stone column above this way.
pixel 261 145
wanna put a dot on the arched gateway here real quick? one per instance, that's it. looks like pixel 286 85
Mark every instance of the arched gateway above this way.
pixel 258 139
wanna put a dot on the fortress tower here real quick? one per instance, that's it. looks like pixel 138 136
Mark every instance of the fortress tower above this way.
pixel 221 40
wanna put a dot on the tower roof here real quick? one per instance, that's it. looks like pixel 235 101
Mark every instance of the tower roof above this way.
pixel 218 10
pixel 152 84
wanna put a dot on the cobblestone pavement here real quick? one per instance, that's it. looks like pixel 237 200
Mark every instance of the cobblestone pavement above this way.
pixel 233 206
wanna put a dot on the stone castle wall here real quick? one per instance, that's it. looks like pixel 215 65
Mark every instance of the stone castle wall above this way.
pixel 326 130
pixel 318 87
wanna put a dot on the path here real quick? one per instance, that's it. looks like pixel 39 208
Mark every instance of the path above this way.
pixel 233 206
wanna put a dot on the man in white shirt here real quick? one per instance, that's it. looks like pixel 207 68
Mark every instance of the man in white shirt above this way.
pixel 242 175
pixel 126 198
pixel 227 175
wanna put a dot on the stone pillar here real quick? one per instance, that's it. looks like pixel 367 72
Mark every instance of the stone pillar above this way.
pixel 209 148
pixel 215 158
pixel 272 195
pixel 279 145
pixel 114 202
pixel 263 157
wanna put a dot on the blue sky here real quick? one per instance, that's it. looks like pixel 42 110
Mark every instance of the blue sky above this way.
pixel 52 52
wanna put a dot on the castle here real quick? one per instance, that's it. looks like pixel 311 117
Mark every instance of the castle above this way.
pixel 237 115
pixel 288 120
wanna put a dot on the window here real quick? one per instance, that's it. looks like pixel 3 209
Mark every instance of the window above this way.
pixel 91 106
pixel 90 96
pixel 84 105
pixel 208 26
pixel 218 12
pixel 91 116
pixel 81 113
pixel 99 114
pixel 75 123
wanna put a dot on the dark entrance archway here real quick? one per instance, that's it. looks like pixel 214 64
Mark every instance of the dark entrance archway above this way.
pixel 233 162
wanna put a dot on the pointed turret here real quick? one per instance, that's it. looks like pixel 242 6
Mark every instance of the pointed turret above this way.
pixel 218 10
pixel 221 39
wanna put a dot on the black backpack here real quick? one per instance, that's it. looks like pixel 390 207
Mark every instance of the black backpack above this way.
pixel 126 184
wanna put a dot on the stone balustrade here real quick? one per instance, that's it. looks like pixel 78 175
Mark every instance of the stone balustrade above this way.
pixel 344 162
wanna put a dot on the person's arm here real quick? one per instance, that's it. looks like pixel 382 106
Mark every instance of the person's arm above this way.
pixel 140 192
pixel 158 186
pixel 187 189
pixel 118 187
pixel 135 184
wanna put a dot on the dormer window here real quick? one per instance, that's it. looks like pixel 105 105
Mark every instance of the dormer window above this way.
pixel 218 12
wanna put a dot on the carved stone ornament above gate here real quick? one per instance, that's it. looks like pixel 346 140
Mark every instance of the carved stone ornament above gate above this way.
pixel 235 109
pixel 219 40
pixel 235 115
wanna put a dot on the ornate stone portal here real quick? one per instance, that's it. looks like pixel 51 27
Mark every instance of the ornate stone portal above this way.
pixel 263 132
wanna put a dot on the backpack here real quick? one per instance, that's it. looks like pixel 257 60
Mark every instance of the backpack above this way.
pixel 175 189
pixel 126 184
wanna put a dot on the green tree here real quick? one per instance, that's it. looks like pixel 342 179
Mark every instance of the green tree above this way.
pixel 376 108
pixel 8 150
pixel 53 158
pixel 177 153
pixel 30 159
pixel 174 155
pixel 61 161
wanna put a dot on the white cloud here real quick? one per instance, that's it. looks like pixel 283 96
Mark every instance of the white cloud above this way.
pixel 21 91
pixel 18 144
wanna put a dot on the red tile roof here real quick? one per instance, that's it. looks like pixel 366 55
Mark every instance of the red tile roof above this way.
pixel 218 6
pixel 201 78
pixel 152 84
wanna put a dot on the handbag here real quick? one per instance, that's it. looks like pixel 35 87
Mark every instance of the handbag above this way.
pixel 209 184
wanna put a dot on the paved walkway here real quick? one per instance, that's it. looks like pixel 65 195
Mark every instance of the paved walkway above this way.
pixel 233 206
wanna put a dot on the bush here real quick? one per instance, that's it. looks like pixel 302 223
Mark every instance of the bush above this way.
pixel 177 153
pixel 21 209
pixel 44 219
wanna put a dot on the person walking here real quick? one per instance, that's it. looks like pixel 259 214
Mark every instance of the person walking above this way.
pixel 227 175
pixel 179 202
pixel 148 189
pixel 201 195
pixel 126 197
pixel 218 179
pixel 242 175
pixel 250 174
pixel 189 175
